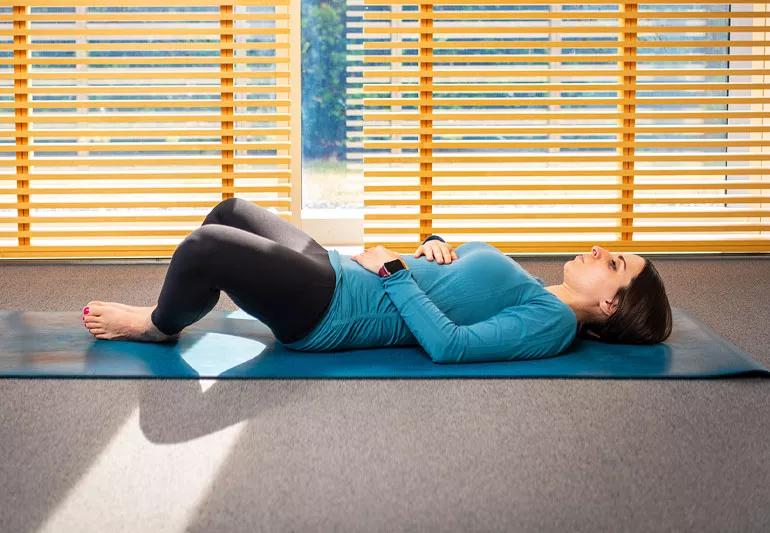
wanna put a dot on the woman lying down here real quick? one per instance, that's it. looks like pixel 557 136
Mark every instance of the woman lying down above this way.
pixel 466 304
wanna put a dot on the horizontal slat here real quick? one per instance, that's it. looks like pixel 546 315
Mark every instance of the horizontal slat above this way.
pixel 551 158
pixel 145 160
pixel 155 175
pixel 398 130
pixel 544 87
pixel 585 171
pixel 517 30
pixel 627 43
pixel 154 90
pixel 466 144
pixel 142 46
pixel 553 72
pixel 99 233
pixel 566 58
pixel 651 246
pixel 563 115
pixel 86 252
pixel 714 228
pixel 156 117
pixel 179 16
pixel 476 186
pixel 166 3
pixel 265 202
pixel 558 15
pixel 111 219
pixel 548 2
pixel 437 202
pixel 144 75
pixel 721 245
pixel 159 232
pixel 139 190
pixel 81 32
pixel 148 147
pixel 571 101
pixel 640 129
pixel 154 132
pixel 47 104
pixel 555 215
pixel 143 60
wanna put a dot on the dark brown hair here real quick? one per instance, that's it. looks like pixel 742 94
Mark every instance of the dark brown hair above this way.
pixel 643 315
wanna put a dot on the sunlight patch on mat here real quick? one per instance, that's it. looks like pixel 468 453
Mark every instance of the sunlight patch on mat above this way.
pixel 215 353
pixel 115 493
pixel 241 314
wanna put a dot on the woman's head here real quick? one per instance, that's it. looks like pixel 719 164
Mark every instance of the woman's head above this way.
pixel 623 297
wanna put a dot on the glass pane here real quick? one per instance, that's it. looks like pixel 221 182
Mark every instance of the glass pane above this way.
pixel 331 114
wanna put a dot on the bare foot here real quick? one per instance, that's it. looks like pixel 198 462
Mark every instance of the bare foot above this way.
pixel 114 321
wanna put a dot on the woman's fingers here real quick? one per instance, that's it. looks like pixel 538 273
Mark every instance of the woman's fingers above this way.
pixel 440 252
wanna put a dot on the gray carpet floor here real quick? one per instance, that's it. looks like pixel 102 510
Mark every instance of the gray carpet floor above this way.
pixel 390 455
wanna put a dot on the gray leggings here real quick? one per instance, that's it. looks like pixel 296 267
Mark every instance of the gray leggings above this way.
pixel 269 268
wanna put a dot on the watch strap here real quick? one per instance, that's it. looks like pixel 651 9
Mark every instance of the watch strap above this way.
pixel 432 238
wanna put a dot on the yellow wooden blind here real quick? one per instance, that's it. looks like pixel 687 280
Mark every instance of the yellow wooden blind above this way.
pixel 123 123
pixel 542 126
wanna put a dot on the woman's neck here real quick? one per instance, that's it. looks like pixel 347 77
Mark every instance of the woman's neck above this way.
pixel 572 299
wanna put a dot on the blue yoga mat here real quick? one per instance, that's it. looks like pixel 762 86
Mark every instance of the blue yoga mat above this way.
pixel 236 345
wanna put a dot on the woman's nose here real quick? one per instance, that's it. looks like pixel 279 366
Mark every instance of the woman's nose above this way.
pixel 596 251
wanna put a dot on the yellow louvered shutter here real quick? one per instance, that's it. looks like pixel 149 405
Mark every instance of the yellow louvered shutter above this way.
pixel 123 123
pixel 543 126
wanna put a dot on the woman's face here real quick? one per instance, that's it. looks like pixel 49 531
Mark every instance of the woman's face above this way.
pixel 598 275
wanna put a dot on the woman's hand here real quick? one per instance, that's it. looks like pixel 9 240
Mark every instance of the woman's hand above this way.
pixel 442 251
pixel 373 258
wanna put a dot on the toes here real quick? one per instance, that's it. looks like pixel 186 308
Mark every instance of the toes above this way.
pixel 92 306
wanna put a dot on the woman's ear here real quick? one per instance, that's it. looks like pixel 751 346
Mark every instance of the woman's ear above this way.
pixel 608 307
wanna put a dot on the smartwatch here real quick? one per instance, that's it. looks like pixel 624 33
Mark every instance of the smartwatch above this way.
pixel 392 267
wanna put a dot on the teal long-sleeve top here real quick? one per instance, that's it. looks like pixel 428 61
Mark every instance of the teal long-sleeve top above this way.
pixel 481 307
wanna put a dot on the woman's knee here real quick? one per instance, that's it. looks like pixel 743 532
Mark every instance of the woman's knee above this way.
pixel 203 240
pixel 220 210
pixel 229 205
pixel 230 202
pixel 223 212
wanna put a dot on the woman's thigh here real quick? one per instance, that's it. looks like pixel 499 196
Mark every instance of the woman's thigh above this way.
pixel 248 216
pixel 284 288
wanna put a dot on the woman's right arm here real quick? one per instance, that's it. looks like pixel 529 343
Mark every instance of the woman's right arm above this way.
pixel 535 329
